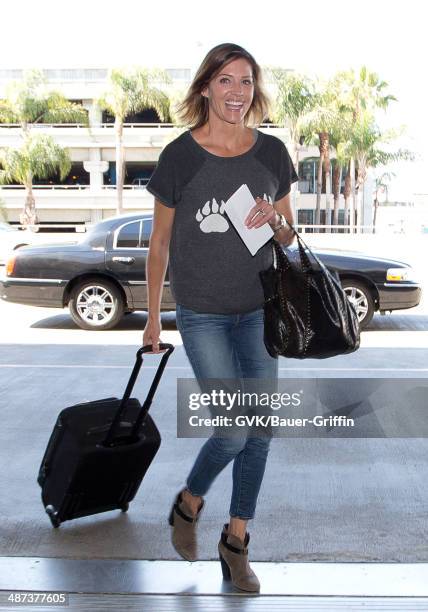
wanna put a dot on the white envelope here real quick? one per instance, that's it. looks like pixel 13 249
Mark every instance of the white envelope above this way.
pixel 237 208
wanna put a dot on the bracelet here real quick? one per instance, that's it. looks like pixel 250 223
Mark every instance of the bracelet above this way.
pixel 281 223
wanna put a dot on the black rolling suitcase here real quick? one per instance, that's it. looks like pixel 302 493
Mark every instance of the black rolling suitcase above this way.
pixel 99 452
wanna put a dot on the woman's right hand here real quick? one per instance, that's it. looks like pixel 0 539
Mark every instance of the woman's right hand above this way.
pixel 152 332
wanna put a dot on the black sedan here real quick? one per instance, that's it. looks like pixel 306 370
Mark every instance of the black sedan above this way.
pixel 102 277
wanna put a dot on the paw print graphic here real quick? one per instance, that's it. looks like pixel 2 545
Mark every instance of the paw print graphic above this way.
pixel 211 218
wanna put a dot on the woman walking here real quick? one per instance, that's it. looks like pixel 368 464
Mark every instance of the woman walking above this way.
pixel 214 279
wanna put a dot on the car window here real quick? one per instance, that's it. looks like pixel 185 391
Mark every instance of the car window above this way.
pixel 128 236
pixel 147 230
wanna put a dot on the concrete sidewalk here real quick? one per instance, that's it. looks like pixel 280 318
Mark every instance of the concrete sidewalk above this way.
pixel 321 500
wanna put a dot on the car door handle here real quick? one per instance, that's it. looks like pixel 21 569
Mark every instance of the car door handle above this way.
pixel 125 260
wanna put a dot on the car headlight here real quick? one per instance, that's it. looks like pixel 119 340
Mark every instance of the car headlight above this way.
pixel 10 265
pixel 400 274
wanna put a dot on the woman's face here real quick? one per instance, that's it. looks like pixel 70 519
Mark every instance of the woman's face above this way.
pixel 230 93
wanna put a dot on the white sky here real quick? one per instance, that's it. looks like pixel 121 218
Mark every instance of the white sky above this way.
pixel 391 39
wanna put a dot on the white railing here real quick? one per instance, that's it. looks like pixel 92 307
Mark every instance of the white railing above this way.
pixel 111 125
pixel 76 227
pixel 381 232
pixel 92 125
pixel 71 187
pixel 302 228
pixel 57 186
pixel 88 127
pixel 362 230
pixel 113 187
pixel 46 125
pixel 348 229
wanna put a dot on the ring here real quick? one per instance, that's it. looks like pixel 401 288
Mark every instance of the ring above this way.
pixel 262 212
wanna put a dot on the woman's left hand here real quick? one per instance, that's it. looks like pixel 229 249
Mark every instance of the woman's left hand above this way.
pixel 261 213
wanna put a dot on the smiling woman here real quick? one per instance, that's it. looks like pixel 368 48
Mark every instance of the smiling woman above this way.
pixel 214 278
pixel 231 92
pixel 227 73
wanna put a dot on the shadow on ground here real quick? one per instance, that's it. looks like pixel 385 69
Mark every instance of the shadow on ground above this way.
pixel 137 320
pixel 132 321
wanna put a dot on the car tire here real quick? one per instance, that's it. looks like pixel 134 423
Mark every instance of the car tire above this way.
pixel 96 304
pixel 359 294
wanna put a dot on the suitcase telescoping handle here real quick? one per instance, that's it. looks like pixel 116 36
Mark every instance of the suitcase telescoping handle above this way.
pixel 145 349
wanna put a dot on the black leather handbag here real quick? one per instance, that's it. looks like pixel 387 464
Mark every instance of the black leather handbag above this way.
pixel 306 311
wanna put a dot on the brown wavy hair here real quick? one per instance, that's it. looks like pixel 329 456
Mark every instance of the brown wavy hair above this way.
pixel 193 110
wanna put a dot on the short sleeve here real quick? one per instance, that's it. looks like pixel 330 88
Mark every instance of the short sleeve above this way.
pixel 162 181
pixel 287 175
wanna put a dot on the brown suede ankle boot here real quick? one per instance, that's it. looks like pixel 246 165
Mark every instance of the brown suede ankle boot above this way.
pixel 184 528
pixel 234 561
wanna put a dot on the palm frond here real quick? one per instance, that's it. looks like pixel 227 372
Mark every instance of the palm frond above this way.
pixel 61 110
pixel 39 157
pixel 134 90
pixel 30 101
pixel 7 113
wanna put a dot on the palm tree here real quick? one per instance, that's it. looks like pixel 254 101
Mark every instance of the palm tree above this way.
pixel 295 99
pixel 381 184
pixel 339 130
pixel 344 162
pixel 366 145
pixel 131 91
pixel 359 92
pixel 29 102
pixel 339 164
pixel 319 123
pixel 379 158
pixel 38 157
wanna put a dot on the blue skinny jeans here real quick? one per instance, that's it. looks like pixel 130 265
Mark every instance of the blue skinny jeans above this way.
pixel 228 346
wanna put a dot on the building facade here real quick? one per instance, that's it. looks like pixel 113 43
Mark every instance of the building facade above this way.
pixel 87 194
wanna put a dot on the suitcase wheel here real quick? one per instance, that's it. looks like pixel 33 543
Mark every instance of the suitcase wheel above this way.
pixel 53 515
pixel 124 507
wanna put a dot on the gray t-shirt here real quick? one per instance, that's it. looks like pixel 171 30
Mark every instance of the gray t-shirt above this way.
pixel 210 268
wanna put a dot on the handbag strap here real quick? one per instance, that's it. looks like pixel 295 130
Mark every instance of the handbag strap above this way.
pixel 300 242
pixel 279 257
pixel 303 255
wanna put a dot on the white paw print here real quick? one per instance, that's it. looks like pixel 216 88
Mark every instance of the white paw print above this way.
pixel 211 218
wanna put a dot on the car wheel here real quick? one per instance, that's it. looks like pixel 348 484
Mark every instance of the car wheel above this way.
pixel 96 304
pixel 359 295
